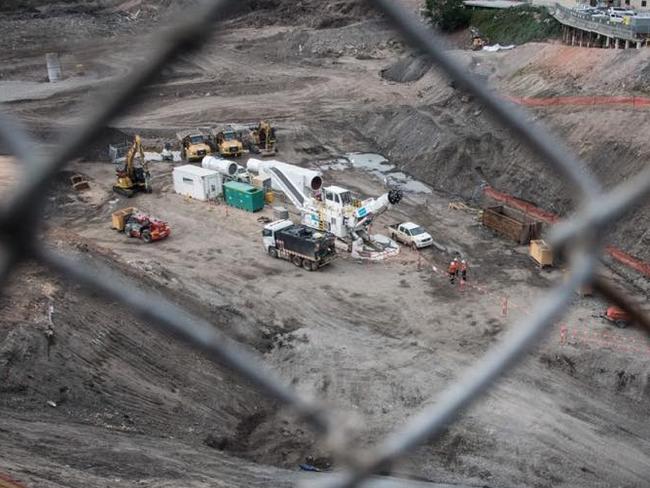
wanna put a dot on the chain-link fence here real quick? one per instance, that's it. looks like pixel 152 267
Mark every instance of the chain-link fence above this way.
pixel 580 238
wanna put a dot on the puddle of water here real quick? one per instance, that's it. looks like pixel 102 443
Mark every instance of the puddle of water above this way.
pixel 369 161
pixel 406 183
pixel 338 165
pixel 380 167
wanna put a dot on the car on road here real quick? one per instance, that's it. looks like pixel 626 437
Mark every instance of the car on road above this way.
pixel 616 14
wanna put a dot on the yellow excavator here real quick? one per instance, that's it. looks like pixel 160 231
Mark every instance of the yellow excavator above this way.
pixel 478 40
pixel 131 178
pixel 264 138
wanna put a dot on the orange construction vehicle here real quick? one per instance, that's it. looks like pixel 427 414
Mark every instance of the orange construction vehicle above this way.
pixel 137 224
pixel 617 316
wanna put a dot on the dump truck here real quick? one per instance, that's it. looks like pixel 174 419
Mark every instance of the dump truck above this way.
pixel 194 146
pixel 227 141
pixel 410 234
pixel 302 245
pixel 137 224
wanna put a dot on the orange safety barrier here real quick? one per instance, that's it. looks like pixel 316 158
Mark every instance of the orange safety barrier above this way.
pixel 628 260
pixel 634 101
pixel 519 204
pixel 616 253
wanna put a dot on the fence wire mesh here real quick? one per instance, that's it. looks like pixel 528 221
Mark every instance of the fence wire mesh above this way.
pixel 581 237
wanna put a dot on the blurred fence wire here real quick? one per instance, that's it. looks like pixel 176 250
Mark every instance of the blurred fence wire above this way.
pixel 580 237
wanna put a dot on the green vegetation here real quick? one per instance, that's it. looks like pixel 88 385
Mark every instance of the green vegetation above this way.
pixel 448 15
pixel 516 25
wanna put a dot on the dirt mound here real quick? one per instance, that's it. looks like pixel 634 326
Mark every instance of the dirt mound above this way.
pixel 98 150
pixel 410 68
pixel 98 364
pixel 309 13
pixel 625 376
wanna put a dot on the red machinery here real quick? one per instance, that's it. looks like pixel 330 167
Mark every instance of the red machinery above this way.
pixel 136 224
pixel 617 316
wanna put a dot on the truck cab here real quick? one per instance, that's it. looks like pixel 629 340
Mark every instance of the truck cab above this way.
pixel 228 142
pixel 268 233
pixel 194 147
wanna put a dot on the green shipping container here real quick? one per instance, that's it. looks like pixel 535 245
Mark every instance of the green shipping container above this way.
pixel 243 196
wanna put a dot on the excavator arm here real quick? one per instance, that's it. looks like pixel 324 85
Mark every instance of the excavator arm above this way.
pixel 135 148
pixel 129 179
pixel 265 137
pixel 374 207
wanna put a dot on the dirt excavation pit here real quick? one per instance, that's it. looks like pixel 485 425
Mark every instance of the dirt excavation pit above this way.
pixel 91 395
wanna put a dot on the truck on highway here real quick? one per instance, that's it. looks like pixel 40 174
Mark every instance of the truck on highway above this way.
pixel 302 245
pixel 410 234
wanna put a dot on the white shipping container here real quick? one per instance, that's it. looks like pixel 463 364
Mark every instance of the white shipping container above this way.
pixel 196 182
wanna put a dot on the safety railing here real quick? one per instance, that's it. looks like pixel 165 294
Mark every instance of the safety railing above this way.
pixel 581 237
pixel 603 25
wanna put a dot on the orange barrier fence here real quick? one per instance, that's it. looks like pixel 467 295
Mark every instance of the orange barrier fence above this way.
pixel 526 207
pixel 617 254
pixel 628 260
pixel 568 333
pixel 634 102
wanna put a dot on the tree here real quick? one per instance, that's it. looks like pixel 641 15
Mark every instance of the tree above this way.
pixel 448 15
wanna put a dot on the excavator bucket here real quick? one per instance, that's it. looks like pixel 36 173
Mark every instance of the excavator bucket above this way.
pixel 79 183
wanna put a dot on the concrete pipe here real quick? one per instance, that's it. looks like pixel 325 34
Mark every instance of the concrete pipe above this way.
pixel 223 166
pixel 301 177
pixel 53 67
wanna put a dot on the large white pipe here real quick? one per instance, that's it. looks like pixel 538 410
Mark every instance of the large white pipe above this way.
pixel 53 67
pixel 301 177
pixel 223 166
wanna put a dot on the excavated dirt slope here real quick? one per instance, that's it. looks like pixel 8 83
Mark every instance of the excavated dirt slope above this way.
pixel 466 148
